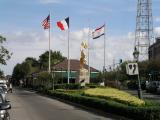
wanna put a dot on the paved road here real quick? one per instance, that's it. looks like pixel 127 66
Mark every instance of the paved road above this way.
pixel 148 96
pixel 31 106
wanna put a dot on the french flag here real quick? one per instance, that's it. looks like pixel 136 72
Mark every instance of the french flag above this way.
pixel 98 32
pixel 63 24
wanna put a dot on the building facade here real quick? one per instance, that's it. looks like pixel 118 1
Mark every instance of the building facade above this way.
pixel 154 50
pixel 61 70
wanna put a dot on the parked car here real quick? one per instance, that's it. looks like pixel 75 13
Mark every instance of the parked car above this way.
pixel 3 83
pixel 153 86
pixel 4 107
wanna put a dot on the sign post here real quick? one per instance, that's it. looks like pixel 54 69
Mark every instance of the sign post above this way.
pixel 132 69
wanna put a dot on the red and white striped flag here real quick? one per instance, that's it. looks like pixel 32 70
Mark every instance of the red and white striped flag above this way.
pixel 98 32
pixel 46 23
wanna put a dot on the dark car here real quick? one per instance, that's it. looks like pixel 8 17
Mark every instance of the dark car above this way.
pixel 152 86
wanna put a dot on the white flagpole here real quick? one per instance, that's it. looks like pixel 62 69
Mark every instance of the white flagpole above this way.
pixel 68 57
pixel 88 52
pixel 104 67
pixel 49 61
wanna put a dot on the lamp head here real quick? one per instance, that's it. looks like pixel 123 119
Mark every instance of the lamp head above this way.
pixel 136 54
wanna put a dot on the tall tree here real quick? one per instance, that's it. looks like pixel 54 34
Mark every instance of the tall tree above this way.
pixel 56 57
pixel 32 61
pixel 20 72
pixel 4 53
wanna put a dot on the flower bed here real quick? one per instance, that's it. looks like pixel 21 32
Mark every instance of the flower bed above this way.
pixel 116 95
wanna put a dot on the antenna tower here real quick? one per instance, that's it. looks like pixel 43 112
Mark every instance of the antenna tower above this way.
pixel 144 28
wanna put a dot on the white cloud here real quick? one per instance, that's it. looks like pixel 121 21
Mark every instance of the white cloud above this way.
pixel 32 44
pixel 157 31
pixel 115 50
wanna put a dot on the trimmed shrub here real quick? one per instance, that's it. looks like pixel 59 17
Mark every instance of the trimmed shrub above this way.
pixel 116 95
pixel 79 92
pixel 92 85
pixel 152 103
pixel 72 86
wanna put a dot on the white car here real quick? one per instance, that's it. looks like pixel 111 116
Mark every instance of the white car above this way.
pixel 3 83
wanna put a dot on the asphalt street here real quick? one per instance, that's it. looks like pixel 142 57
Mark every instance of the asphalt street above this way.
pixel 147 96
pixel 28 105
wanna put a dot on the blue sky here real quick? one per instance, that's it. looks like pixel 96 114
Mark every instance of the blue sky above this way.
pixel 21 25
pixel 26 15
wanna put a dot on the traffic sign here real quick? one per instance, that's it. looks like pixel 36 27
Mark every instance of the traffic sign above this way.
pixel 132 69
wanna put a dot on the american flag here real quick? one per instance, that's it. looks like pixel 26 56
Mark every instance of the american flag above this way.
pixel 46 23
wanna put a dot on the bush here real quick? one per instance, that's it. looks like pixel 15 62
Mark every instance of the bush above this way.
pixel 152 103
pixel 92 85
pixel 132 85
pixel 116 95
pixel 79 92
pixel 68 86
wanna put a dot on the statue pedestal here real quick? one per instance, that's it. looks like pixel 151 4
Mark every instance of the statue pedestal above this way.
pixel 83 76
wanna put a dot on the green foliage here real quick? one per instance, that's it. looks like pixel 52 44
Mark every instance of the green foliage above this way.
pixel 149 67
pixel 92 85
pixel 145 68
pixel 32 61
pixel 45 76
pixel 152 103
pixel 56 57
pixel 68 86
pixel 78 92
pixel 4 53
pixel 20 72
pixel 31 66
pixel 116 95
pixel 110 75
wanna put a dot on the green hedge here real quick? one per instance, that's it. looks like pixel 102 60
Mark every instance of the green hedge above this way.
pixel 136 113
pixel 92 85
pixel 68 86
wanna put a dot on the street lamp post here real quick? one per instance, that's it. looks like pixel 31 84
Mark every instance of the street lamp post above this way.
pixel 136 57
pixel 53 77
pixel 61 76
